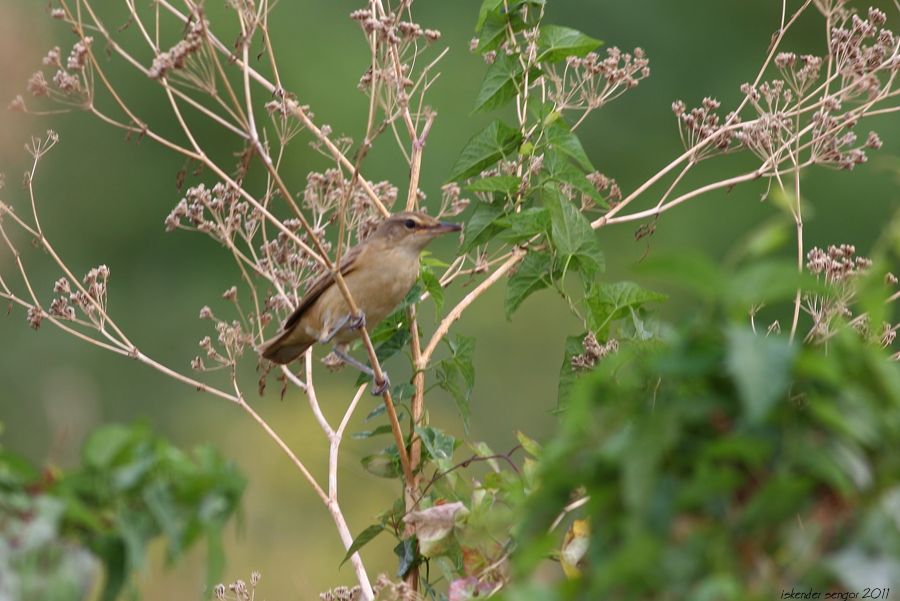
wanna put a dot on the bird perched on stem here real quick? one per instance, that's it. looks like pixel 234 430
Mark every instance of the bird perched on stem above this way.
pixel 379 272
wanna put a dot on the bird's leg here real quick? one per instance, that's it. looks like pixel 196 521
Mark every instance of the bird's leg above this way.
pixel 353 322
pixel 343 321
pixel 378 388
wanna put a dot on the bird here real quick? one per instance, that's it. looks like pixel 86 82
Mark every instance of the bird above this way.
pixel 379 273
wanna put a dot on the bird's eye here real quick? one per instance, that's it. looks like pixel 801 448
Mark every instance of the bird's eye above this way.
pixel 410 224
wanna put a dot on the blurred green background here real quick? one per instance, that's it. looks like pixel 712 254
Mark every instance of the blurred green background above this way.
pixel 104 200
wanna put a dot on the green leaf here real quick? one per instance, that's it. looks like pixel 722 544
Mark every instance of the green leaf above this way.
pixel 557 42
pixel 363 434
pixel 501 83
pixel 484 149
pixel 559 169
pixel 761 368
pixel 530 445
pixel 439 446
pixel 689 271
pixel 215 555
pixel 572 234
pixel 389 337
pixel 379 410
pixel 456 373
pixel 362 540
pixel 102 448
pixel 494 31
pixel 765 239
pixel 608 302
pixel 507 184
pixel 434 288
pixel 385 464
pixel 560 137
pixel 482 226
pixel 488 8
pixel 761 283
pixel 525 224
pixel 406 552
pixel 533 274
pixel 567 374
pixel 163 508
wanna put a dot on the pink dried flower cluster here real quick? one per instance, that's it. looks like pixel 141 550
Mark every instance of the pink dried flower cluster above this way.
pixel 837 264
pixel 391 29
pixel 594 352
pixel 176 57
pixel 701 123
pixel 588 83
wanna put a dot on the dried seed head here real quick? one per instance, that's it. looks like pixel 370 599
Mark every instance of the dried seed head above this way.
pixel 79 53
pixel 53 57
pixel 34 316
pixel 37 85
pixel 62 286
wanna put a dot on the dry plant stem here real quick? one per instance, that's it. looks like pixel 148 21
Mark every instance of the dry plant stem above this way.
pixel 335 269
pixel 197 154
pixel 726 183
pixel 334 443
pixel 134 353
pixel 295 108
pixel 516 255
pixel 321 254
pixel 763 170
pixel 114 46
pixel 416 164
pixel 798 220
pixel 691 152
pixel 354 308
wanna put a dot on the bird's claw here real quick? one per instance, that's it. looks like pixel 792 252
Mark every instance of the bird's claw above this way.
pixel 379 388
pixel 357 322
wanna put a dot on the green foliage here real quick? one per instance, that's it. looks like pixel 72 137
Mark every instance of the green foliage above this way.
pixel 456 373
pixel 384 464
pixel 534 273
pixel 557 43
pixel 365 537
pixel 501 83
pixel 716 453
pixel 572 236
pixel 131 488
pixel 487 147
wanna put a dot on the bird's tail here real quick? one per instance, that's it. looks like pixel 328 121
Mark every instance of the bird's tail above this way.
pixel 285 347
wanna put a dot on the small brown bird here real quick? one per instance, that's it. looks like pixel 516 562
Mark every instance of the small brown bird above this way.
pixel 379 272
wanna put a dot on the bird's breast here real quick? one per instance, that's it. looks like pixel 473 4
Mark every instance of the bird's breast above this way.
pixel 378 284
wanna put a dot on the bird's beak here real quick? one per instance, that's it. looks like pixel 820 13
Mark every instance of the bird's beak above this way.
pixel 443 227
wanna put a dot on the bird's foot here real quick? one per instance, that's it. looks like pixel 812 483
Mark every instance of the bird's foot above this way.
pixel 357 322
pixel 379 388
pixel 332 361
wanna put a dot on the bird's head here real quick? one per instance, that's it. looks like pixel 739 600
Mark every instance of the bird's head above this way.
pixel 412 229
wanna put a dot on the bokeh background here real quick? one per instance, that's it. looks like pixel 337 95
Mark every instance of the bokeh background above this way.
pixel 104 200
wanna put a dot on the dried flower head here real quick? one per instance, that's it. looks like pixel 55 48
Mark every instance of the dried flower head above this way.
pixel 177 56
pixel 593 351
pixel 37 85
pixel 34 316
pixel 79 54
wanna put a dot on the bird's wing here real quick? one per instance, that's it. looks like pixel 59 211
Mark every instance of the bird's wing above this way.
pixel 318 287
